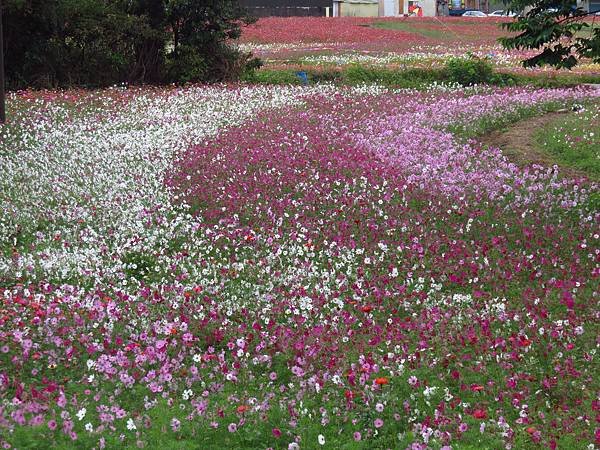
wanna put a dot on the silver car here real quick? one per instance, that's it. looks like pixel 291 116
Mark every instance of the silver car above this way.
pixel 502 13
pixel 474 14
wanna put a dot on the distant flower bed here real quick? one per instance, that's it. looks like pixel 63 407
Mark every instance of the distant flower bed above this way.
pixel 321 29
pixel 417 42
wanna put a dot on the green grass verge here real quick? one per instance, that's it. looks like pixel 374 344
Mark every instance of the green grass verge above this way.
pixel 412 27
pixel 415 78
pixel 574 140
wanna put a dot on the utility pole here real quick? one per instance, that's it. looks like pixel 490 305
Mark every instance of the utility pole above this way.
pixel 2 94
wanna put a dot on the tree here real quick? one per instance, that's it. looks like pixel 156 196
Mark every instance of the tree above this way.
pixel 202 32
pixel 73 42
pixel 54 43
pixel 558 29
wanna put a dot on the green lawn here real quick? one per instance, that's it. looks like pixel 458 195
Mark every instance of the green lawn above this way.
pixel 574 141
pixel 412 27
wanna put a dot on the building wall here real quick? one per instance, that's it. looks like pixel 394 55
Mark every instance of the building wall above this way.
pixel 359 9
pixel 387 8
pixel 429 8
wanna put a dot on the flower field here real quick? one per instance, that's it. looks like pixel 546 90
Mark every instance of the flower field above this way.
pixel 308 42
pixel 293 267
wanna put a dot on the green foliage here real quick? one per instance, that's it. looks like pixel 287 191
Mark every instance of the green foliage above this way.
pixel 557 79
pixel 139 265
pixel 52 43
pixel 201 33
pixel 469 71
pixel 268 76
pixel 188 65
pixel 415 78
pixel 556 28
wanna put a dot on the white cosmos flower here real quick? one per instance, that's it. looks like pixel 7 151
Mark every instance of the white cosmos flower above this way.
pixel 131 424
pixel 81 413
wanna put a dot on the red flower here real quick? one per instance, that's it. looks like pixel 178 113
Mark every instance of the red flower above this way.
pixel 480 414
pixel 381 381
pixel 523 342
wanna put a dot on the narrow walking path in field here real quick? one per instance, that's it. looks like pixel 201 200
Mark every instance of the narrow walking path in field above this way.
pixel 566 138
pixel 518 143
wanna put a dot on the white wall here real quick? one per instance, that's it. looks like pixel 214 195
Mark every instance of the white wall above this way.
pixel 429 8
pixel 390 8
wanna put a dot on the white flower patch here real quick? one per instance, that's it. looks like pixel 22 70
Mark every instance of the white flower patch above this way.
pixel 83 187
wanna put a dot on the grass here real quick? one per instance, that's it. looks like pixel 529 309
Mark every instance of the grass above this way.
pixel 413 78
pixel 411 27
pixel 574 141
pixel 485 125
pixel 353 74
pixel 587 31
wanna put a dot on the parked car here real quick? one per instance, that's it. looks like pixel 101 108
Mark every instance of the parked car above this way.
pixel 502 13
pixel 474 13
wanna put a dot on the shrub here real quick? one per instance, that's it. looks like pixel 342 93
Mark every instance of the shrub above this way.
pixel 469 71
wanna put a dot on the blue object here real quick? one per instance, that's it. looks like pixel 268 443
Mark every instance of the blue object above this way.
pixel 303 77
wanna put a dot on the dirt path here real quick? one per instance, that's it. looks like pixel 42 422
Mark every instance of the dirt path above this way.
pixel 517 142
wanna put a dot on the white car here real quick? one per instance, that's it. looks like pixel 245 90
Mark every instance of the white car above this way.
pixel 502 13
pixel 474 14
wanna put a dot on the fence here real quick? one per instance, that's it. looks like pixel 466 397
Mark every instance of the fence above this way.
pixel 286 8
